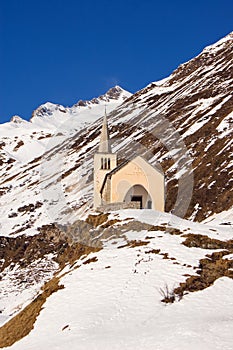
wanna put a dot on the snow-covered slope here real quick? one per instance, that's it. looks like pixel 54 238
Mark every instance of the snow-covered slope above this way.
pixel 111 299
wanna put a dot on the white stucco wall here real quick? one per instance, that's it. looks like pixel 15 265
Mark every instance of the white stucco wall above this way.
pixel 139 172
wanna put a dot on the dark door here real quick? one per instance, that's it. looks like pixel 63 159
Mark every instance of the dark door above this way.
pixel 137 199
pixel 149 205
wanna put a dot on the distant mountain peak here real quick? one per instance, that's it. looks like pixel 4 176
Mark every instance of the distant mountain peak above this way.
pixel 17 119
pixel 47 109
pixel 114 93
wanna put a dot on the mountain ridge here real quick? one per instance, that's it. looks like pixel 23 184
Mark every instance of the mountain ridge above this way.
pixel 114 94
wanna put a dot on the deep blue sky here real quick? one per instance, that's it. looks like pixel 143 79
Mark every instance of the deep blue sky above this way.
pixel 65 50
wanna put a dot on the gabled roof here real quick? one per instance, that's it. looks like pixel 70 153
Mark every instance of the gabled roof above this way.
pixel 118 167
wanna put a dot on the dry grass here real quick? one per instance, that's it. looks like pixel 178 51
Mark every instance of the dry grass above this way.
pixel 205 242
pixel 72 253
pixel 97 220
pixel 110 223
pixel 91 260
pixel 21 325
pixel 19 144
pixel 153 251
pixel 210 269
pixel 133 244
pixel 25 250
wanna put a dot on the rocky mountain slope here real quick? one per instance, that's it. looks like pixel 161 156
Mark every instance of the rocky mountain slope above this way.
pixel 182 124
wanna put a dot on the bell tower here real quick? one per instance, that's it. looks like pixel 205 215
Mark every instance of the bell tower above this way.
pixel 104 161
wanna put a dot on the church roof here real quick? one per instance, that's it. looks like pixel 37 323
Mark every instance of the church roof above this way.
pixel 118 167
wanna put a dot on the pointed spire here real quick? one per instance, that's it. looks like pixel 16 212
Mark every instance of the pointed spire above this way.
pixel 105 146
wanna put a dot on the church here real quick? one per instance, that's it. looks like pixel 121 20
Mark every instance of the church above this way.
pixel 134 183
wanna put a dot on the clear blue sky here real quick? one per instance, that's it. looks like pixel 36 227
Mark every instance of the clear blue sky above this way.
pixel 65 50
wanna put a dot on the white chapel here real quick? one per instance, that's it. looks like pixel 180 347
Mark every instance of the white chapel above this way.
pixel 134 183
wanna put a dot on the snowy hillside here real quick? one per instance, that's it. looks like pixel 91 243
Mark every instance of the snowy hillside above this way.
pixel 111 299
pixel 72 278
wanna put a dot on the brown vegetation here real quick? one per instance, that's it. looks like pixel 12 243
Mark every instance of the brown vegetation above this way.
pixel 133 244
pixel 21 325
pixel 210 268
pixel 30 207
pixel 205 242
pixel 19 144
pixel 24 250
pixel 88 261
pixel 97 220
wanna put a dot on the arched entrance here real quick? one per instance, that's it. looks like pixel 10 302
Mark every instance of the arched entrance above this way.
pixel 138 193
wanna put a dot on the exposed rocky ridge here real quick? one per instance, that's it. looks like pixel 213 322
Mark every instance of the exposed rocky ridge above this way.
pixel 112 94
pixel 48 109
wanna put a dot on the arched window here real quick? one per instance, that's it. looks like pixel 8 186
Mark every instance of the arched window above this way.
pixel 105 163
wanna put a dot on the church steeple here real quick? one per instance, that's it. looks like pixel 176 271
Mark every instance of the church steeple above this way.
pixel 105 146
pixel 104 162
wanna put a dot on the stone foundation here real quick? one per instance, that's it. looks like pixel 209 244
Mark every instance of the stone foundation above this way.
pixel 118 206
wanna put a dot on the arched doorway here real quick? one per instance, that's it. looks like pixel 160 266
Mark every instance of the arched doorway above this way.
pixel 138 193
